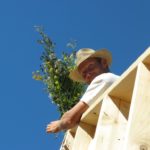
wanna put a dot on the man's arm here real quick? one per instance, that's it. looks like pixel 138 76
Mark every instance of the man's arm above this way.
pixel 69 119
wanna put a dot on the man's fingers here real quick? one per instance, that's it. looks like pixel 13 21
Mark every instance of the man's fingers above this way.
pixel 53 127
pixel 50 129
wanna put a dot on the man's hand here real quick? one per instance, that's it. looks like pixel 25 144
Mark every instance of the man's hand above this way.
pixel 70 119
pixel 53 127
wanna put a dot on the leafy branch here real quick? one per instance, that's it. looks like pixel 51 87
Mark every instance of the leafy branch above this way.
pixel 54 73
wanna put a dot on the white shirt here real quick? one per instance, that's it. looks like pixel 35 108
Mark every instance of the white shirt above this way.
pixel 97 87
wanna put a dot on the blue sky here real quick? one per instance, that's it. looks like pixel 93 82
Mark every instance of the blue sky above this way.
pixel 121 26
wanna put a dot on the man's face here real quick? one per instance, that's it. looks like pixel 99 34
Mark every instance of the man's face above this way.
pixel 90 68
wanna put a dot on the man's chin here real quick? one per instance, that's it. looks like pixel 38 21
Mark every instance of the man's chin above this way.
pixel 89 81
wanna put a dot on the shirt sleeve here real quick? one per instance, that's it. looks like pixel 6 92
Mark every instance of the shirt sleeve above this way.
pixel 94 91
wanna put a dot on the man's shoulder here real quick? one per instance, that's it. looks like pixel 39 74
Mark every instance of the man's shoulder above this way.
pixel 106 77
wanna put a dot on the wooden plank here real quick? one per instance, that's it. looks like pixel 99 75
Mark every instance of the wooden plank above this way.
pixel 93 115
pixel 111 125
pixel 83 136
pixel 68 141
pixel 138 129
pixel 124 89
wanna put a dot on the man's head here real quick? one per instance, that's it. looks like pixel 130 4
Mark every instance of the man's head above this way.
pixel 89 64
pixel 92 67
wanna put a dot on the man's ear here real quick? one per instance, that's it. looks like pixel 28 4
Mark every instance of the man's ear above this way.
pixel 104 63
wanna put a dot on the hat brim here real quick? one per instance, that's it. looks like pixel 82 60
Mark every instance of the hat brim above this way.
pixel 103 53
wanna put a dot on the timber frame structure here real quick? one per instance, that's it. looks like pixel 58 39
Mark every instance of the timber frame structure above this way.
pixel 120 117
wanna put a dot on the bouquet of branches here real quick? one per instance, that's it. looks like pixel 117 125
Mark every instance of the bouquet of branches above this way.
pixel 54 73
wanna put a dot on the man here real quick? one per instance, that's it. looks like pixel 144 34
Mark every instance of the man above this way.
pixel 92 67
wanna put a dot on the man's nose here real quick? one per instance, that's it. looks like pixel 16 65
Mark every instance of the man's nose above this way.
pixel 88 74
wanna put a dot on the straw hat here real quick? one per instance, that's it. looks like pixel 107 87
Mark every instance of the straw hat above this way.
pixel 85 53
